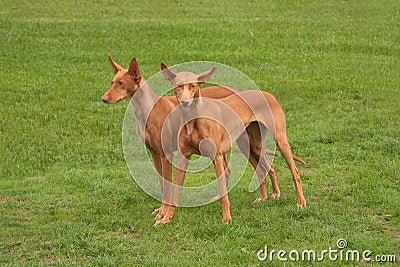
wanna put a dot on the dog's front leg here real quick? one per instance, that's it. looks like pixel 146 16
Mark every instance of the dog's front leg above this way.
pixel 227 172
pixel 166 187
pixel 180 173
pixel 159 165
pixel 223 191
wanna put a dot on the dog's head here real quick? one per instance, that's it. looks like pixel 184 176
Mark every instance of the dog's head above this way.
pixel 125 83
pixel 186 84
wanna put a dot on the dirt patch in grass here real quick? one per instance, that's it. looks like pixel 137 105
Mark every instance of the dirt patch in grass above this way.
pixel 46 261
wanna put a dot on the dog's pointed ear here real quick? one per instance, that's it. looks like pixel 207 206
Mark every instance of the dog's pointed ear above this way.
pixel 134 70
pixel 114 66
pixel 205 76
pixel 169 75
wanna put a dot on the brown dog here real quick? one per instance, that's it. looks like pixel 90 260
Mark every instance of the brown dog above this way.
pixel 129 82
pixel 244 109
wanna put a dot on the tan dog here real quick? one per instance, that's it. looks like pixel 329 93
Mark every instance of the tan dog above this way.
pixel 198 128
pixel 126 84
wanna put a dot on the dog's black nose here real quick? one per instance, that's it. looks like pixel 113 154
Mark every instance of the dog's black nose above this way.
pixel 185 103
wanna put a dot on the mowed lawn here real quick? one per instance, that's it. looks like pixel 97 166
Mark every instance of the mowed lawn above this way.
pixel 66 194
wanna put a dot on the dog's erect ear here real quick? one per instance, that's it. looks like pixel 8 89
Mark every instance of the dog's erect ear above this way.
pixel 205 76
pixel 169 75
pixel 134 70
pixel 115 67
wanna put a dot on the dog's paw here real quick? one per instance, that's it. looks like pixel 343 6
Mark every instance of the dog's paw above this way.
pixel 159 216
pixel 227 220
pixel 276 196
pixel 160 212
pixel 163 221
pixel 260 199
pixel 301 203
pixel 156 211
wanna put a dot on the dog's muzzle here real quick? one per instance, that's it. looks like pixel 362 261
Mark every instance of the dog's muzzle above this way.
pixel 187 103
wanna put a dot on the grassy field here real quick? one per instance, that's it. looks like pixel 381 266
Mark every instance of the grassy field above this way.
pixel 66 195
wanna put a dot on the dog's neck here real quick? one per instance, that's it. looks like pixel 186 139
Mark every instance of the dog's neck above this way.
pixel 143 102
pixel 191 113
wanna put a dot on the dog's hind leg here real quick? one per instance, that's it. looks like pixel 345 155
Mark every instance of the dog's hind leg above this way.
pixel 271 172
pixel 260 162
pixel 260 171
pixel 284 148
pixel 248 143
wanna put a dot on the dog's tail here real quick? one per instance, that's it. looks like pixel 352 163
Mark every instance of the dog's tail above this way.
pixel 273 153
pixel 270 152
pixel 299 160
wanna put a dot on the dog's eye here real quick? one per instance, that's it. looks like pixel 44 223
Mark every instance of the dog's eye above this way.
pixel 120 83
pixel 193 86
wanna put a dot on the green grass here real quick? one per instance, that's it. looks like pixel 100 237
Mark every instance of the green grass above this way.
pixel 66 195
